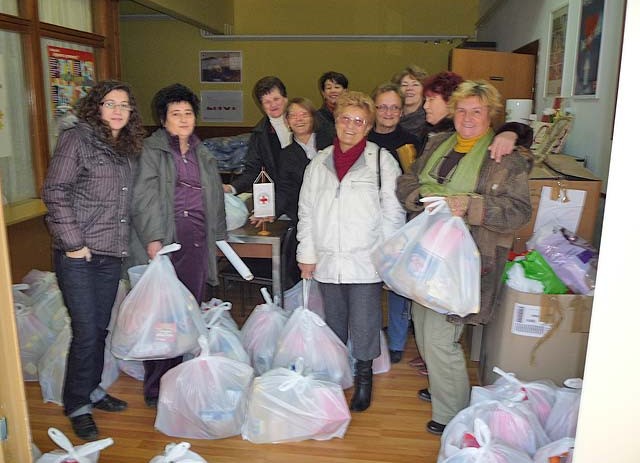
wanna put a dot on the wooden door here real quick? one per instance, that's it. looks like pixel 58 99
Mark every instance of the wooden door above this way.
pixel 13 403
pixel 511 73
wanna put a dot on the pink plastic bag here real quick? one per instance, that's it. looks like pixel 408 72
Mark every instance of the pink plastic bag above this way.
pixel 204 398
pixel 287 406
pixel 159 318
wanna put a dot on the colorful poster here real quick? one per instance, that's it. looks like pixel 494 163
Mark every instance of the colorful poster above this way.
pixel 556 51
pixel 71 75
pixel 586 75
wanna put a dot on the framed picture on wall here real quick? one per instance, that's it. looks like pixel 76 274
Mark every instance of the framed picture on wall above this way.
pixel 589 43
pixel 221 67
pixel 557 41
pixel 221 106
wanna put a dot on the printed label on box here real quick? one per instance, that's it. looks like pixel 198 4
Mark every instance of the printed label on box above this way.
pixel 526 321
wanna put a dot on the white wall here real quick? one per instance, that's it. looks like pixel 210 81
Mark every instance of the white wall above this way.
pixel 515 23
pixel 610 407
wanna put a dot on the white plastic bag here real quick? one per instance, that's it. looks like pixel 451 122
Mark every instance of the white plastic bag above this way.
pixel 512 423
pixel 204 398
pixel 235 210
pixel 34 338
pixel 287 406
pixel 46 299
pixel 87 453
pixel 52 367
pixel 159 318
pixel 220 310
pixel 560 448
pixel 539 395
pixel 293 298
pixel 459 444
pixel 563 419
pixel 307 336
pixel 221 339
pixel 261 332
pixel 433 260
pixel 178 453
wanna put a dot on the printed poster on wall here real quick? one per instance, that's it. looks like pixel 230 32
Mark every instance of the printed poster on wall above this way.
pixel 221 106
pixel 71 75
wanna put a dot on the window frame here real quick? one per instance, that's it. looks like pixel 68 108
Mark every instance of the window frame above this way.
pixel 106 45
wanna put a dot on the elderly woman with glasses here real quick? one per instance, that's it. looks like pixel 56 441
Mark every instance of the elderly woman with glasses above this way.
pixel 347 207
pixel 493 199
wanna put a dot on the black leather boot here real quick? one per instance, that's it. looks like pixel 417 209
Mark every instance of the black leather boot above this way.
pixel 363 382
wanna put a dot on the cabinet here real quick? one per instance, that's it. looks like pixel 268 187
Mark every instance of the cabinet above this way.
pixel 511 73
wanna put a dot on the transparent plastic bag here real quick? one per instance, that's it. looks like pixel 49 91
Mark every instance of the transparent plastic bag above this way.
pixel 34 338
pixel 235 210
pixel 52 367
pixel 287 406
pixel 159 318
pixel 204 398
pixel 293 298
pixel 511 423
pixel 222 339
pixel 178 453
pixel 261 332
pixel 559 448
pixel 87 453
pixel 539 395
pixel 563 419
pixel 459 444
pixel 433 260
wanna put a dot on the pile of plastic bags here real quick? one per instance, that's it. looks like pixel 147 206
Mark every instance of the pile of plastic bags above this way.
pixel 513 421
pixel 557 262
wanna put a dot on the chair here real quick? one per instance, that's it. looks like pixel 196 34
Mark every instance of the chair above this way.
pixel 262 269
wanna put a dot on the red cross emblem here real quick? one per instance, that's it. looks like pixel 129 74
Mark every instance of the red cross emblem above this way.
pixel 263 199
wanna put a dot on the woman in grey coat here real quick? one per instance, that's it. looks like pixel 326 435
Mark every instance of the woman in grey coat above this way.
pixel 177 197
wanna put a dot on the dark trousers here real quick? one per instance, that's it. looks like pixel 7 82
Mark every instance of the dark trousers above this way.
pixel 89 291
pixel 355 310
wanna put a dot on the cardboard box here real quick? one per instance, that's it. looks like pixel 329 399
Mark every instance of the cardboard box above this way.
pixel 562 172
pixel 513 343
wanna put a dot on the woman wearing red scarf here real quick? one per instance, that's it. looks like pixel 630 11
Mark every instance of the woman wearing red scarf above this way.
pixel 347 207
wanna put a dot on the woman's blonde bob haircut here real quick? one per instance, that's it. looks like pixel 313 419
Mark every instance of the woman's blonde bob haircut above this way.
pixel 486 93
pixel 357 99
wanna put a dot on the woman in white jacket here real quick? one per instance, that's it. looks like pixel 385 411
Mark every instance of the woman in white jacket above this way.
pixel 347 207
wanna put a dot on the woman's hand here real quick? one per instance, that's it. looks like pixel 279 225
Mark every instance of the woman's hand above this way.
pixel 227 188
pixel 153 248
pixel 83 253
pixel 258 221
pixel 306 270
pixel 502 145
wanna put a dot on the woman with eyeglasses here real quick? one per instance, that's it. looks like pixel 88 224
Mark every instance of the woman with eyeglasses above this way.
pixel 388 134
pixel 347 207
pixel 177 197
pixel 87 192
pixel 493 199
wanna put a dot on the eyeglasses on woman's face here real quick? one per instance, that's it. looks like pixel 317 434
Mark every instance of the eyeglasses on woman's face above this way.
pixel 356 121
pixel 112 105
pixel 383 108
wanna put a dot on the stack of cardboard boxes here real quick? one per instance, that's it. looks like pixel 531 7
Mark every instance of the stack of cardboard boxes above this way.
pixel 540 336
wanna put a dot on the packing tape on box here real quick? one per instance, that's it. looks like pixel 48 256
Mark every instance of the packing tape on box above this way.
pixel 550 313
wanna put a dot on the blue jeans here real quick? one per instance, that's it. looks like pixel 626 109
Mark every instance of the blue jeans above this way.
pixel 89 291
pixel 398 326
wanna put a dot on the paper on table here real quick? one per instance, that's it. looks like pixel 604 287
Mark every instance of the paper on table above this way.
pixel 565 210
pixel 235 260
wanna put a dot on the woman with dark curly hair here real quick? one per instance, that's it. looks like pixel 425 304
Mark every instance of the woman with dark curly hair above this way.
pixel 88 193
pixel 177 197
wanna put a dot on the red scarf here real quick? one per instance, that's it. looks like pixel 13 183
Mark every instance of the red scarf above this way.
pixel 344 161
